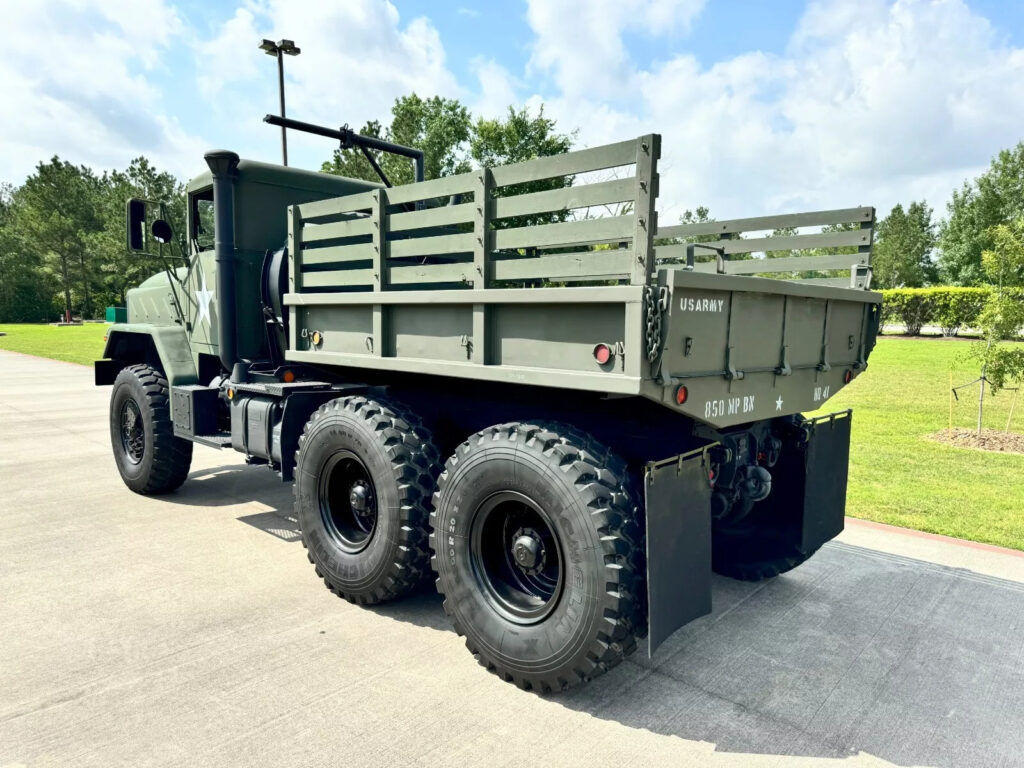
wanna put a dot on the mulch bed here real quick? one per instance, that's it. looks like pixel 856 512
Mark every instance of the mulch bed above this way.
pixel 989 440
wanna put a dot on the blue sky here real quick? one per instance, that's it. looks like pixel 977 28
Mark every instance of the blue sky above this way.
pixel 763 106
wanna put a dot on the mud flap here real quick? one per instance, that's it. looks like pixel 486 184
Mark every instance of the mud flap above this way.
pixel 677 492
pixel 808 499
pixel 825 470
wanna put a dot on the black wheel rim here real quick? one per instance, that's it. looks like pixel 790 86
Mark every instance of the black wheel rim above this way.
pixel 348 501
pixel 516 557
pixel 133 435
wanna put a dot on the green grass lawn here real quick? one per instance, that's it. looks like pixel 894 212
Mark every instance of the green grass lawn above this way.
pixel 73 343
pixel 897 475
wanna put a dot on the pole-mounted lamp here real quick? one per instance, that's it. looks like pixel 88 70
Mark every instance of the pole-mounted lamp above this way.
pixel 278 50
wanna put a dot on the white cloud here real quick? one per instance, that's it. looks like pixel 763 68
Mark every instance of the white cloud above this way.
pixel 74 81
pixel 580 41
pixel 871 103
pixel 497 89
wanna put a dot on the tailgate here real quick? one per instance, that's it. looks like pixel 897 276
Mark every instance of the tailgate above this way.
pixel 749 348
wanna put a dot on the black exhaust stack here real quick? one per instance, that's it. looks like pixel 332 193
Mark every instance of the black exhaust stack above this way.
pixel 224 167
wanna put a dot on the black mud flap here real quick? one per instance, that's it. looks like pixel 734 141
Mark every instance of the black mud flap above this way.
pixel 825 470
pixel 678 496
pixel 808 497
pixel 105 371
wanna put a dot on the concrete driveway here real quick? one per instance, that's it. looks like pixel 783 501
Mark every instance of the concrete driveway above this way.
pixel 191 630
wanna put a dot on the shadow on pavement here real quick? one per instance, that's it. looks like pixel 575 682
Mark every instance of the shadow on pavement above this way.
pixel 234 484
pixel 855 651
pixel 238 483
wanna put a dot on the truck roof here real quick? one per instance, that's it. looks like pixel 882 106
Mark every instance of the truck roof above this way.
pixel 254 171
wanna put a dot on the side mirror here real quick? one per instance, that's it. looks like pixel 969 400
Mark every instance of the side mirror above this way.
pixel 162 231
pixel 136 225
pixel 147 227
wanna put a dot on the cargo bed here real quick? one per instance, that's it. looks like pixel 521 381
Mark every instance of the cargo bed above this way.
pixel 504 274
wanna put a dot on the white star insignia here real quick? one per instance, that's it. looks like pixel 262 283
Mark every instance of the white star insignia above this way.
pixel 203 297
pixel 778 404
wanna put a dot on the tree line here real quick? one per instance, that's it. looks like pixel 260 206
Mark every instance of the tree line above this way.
pixel 983 216
pixel 62 238
pixel 62 242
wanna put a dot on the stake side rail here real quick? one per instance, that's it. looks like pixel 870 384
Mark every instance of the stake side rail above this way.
pixel 777 246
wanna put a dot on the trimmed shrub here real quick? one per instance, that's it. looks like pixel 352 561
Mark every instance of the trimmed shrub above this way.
pixel 955 308
pixel 913 307
pixel 949 307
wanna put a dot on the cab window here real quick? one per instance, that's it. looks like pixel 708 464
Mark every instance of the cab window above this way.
pixel 202 219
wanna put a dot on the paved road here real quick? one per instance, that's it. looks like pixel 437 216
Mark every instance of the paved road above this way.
pixel 190 630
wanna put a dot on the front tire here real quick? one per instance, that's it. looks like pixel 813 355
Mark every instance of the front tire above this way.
pixel 538 554
pixel 364 473
pixel 149 457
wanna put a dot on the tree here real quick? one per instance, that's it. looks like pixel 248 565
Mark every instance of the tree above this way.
pixel 438 126
pixel 26 291
pixel 450 139
pixel 996 197
pixel 452 143
pixel 902 255
pixel 1003 315
pixel 701 215
pixel 515 139
pixel 58 214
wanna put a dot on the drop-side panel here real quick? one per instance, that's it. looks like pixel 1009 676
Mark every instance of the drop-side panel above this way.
pixel 430 332
pixel 342 329
pixel 544 337
pixel 558 337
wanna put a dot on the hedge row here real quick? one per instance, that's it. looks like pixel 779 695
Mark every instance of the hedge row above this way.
pixel 947 307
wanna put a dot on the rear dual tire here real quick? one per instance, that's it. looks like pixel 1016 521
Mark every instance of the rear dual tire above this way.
pixel 755 553
pixel 538 554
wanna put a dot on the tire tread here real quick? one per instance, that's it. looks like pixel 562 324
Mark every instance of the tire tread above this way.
pixel 600 474
pixel 172 455
pixel 415 465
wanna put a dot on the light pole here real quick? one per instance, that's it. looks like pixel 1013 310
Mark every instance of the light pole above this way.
pixel 278 50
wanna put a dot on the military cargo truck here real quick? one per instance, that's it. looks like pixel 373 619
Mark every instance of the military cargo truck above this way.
pixel 569 421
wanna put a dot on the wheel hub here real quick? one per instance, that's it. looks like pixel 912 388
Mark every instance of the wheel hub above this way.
pixel 360 498
pixel 132 432
pixel 528 551
pixel 348 503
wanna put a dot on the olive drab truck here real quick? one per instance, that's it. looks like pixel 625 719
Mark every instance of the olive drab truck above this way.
pixel 569 421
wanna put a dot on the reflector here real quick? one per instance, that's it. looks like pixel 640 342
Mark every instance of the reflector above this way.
pixel 681 395
pixel 602 353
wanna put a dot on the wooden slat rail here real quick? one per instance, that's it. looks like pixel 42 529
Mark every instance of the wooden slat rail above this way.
pixel 456 230
pixel 405 236
pixel 783 243
pixel 764 223
pixel 733 239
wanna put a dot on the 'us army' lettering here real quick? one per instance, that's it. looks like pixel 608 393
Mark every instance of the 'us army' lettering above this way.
pixel 689 304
